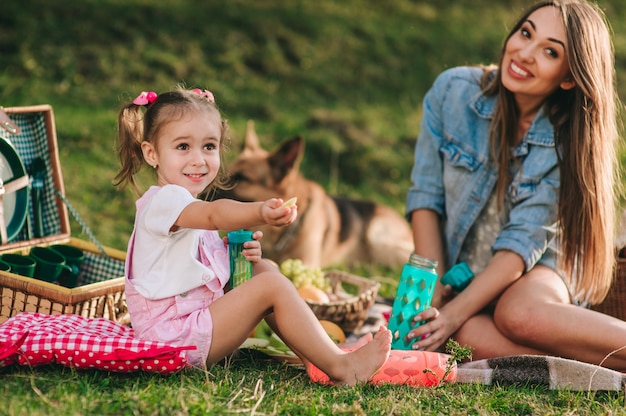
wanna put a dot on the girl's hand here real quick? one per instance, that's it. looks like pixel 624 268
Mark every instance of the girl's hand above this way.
pixel 275 214
pixel 434 332
pixel 252 249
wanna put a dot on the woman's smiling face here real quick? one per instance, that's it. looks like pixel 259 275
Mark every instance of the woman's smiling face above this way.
pixel 535 62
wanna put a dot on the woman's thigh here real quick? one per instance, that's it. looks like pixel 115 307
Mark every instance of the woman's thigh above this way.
pixel 524 309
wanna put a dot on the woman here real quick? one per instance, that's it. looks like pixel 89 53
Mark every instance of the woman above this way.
pixel 515 174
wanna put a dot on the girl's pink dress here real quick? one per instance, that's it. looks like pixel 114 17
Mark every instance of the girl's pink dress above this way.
pixel 183 319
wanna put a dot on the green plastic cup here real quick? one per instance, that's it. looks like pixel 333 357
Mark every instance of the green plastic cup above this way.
pixel 73 258
pixel 240 267
pixel 22 265
pixel 4 266
pixel 50 264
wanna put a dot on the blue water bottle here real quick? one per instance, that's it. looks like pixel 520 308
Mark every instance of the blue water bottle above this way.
pixel 414 295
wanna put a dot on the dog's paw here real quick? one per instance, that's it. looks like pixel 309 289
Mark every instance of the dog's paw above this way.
pixel 289 203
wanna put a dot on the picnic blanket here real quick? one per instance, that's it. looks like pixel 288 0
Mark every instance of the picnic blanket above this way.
pixel 552 372
pixel 34 339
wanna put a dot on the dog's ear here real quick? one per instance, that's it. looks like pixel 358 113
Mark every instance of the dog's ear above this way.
pixel 287 157
pixel 252 140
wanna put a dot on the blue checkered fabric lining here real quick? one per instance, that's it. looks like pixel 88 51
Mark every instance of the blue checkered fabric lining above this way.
pixel 97 268
pixel 32 142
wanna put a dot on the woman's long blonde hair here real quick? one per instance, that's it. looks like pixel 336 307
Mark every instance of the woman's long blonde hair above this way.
pixel 586 135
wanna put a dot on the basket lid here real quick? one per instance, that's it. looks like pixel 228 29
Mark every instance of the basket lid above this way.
pixel 35 143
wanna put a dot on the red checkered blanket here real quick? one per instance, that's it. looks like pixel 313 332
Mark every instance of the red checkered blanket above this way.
pixel 84 343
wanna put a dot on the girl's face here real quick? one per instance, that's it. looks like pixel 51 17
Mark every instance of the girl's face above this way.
pixel 535 62
pixel 187 152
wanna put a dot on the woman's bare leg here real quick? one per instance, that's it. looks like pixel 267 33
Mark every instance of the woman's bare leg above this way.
pixel 535 311
pixel 486 341
pixel 237 313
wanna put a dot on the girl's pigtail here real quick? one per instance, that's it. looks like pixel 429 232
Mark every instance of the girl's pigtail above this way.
pixel 130 136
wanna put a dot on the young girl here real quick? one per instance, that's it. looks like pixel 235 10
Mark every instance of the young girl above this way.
pixel 177 264
pixel 515 174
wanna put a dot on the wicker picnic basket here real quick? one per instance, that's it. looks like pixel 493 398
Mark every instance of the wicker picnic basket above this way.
pixel 615 302
pixel 350 309
pixel 102 299
pixel 31 132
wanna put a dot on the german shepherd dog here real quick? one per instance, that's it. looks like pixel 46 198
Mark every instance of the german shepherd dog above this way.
pixel 329 230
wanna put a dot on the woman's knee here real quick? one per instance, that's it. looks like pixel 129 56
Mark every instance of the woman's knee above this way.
pixel 515 321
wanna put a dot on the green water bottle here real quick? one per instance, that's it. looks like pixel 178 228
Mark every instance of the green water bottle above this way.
pixel 240 267
pixel 414 295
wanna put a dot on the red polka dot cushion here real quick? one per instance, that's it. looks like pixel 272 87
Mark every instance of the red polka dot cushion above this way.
pixel 83 343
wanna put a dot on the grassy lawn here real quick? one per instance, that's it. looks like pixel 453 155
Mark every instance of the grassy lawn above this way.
pixel 349 76
pixel 250 384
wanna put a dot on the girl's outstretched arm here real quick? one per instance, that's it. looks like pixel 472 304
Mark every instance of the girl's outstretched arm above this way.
pixel 228 214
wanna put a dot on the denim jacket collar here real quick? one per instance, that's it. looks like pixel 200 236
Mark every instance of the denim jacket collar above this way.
pixel 541 131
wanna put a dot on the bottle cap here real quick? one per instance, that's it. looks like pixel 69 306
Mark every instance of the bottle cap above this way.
pixel 458 277
pixel 239 237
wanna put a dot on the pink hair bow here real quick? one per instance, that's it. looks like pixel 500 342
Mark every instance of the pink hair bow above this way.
pixel 145 98
pixel 205 93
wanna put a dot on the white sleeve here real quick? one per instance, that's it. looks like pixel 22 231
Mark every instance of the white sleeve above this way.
pixel 165 207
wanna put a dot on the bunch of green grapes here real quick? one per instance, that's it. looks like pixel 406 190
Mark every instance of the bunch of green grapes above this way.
pixel 303 275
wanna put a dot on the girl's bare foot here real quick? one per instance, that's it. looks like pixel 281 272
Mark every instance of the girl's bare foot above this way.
pixel 354 345
pixel 363 363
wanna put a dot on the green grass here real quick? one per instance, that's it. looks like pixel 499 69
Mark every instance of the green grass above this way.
pixel 349 76
pixel 251 384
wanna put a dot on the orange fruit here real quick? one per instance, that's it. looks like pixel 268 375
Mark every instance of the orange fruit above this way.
pixel 313 294
pixel 334 331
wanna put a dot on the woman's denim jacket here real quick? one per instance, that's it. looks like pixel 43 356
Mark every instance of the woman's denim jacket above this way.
pixel 454 174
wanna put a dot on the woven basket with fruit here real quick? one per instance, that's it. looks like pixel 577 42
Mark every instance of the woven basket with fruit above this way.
pixel 333 295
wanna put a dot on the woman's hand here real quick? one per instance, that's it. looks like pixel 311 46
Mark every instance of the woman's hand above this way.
pixel 443 294
pixel 274 213
pixel 435 332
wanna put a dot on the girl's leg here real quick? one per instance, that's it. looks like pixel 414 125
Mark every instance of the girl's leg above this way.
pixel 536 311
pixel 237 313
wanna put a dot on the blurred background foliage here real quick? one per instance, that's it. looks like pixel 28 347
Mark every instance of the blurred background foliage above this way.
pixel 348 76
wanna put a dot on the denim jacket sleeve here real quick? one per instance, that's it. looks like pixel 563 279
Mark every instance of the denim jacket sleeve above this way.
pixel 427 186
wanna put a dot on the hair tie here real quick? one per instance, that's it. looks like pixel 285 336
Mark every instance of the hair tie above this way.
pixel 205 93
pixel 145 98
